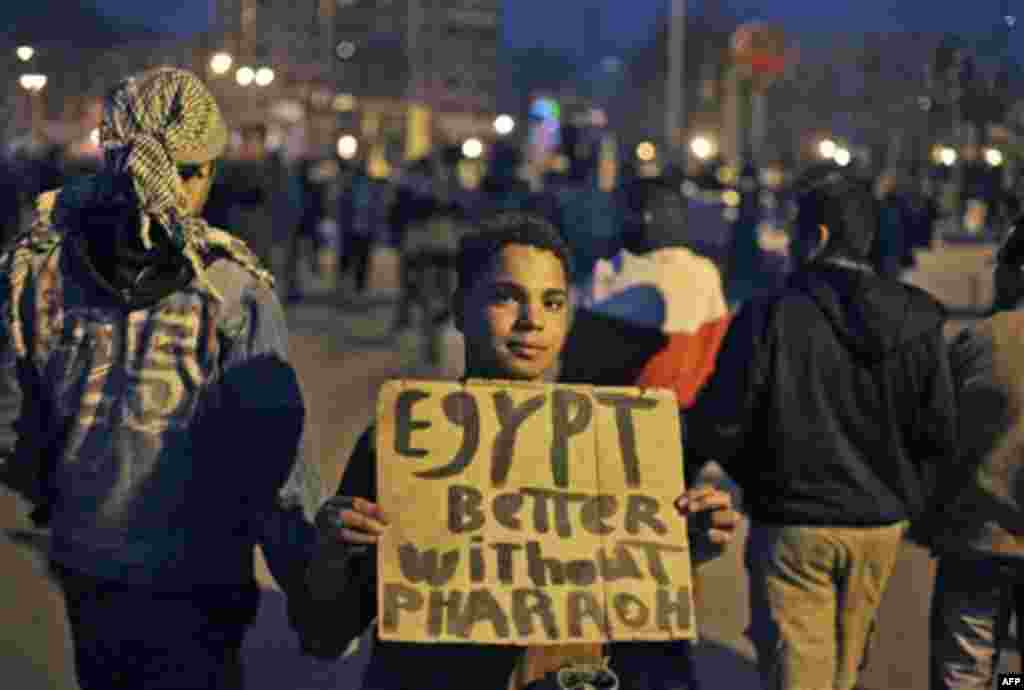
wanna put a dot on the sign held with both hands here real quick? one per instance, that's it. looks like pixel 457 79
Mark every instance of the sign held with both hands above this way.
pixel 531 514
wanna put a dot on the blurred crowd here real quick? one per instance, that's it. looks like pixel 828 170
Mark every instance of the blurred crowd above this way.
pixel 321 213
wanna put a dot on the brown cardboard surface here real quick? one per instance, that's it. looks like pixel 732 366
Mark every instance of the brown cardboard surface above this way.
pixel 530 514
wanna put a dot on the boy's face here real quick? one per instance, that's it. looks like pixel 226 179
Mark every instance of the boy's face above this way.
pixel 516 316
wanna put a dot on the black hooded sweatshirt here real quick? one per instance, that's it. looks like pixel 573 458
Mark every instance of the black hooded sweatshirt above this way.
pixel 831 403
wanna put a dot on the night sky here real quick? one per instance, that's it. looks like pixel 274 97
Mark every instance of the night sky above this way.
pixel 559 23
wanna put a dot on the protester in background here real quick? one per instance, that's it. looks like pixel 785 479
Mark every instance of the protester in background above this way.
pixel 147 405
pixel 253 178
pixel 517 335
pixel 977 519
pixel 659 311
pixel 745 274
pixel 893 248
pixel 591 218
pixel 661 303
pixel 833 407
pixel 924 214
pixel 414 202
pixel 315 238
pixel 11 200
pixel 502 189
pixel 363 216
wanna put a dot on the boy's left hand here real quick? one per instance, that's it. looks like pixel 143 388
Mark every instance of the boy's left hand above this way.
pixel 712 518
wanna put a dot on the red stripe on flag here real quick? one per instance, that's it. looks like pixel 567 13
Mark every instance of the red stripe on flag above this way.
pixel 686 362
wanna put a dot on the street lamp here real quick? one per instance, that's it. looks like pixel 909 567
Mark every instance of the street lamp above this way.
pixel 33 82
pixel 472 148
pixel 348 147
pixel 702 147
pixel 994 157
pixel 504 124
pixel 947 156
pixel 264 76
pixel 245 76
pixel 827 149
pixel 25 53
pixel 220 63
pixel 646 151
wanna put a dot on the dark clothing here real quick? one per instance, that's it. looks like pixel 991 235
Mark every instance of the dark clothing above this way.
pixel 156 427
pixel 356 259
pixel 832 403
pixel 893 245
pixel 983 514
pixel 363 216
pixel 175 640
pixel 642 666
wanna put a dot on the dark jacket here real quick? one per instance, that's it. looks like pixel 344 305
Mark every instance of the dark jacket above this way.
pixel 982 511
pixel 831 403
pixel 155 427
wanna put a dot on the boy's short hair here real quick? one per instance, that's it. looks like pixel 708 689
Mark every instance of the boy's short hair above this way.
pixel 846 206
pixel 478 248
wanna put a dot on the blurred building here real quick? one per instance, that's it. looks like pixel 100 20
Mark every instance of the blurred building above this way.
pixel 401 75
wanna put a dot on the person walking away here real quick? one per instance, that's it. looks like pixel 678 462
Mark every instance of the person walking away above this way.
pixel 894 227
pixel 147 406
pixel 976 522
pixel 832 405
pixel 254 183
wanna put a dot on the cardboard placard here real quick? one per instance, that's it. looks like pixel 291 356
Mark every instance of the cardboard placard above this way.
pixel 530 514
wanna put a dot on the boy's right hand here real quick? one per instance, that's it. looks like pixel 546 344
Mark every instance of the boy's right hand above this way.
pixel 351 521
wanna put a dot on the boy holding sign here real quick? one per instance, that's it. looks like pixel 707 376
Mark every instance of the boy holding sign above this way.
pixel 512 306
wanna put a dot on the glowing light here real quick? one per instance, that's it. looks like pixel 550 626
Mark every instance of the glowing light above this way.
pixel 344 103
pixel 345 50
pixel 827 148
pixel 472 148
pixel 546 109
pixel 702 147
pixel 504 124
pixel 994 157
pixel 646 151
pixel 264 76
pixel 220 63
pixel 25 53
pixel 348 147
pixel 94 136
pixel 947 156
pixel 33 82
pixel 842 157
pixel 731 198
pixel 245 76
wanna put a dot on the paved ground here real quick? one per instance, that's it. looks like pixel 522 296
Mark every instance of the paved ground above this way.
pixel 343 355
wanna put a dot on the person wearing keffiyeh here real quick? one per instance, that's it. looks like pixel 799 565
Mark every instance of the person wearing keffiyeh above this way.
pixel 148 409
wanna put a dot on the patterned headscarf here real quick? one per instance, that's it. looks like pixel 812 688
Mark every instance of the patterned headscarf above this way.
pixel 152 123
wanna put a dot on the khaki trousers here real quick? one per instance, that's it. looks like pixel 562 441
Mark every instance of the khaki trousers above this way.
pixel 814 595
